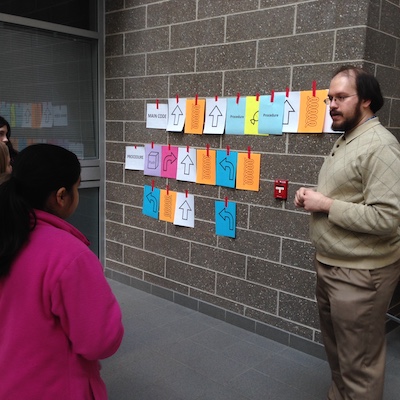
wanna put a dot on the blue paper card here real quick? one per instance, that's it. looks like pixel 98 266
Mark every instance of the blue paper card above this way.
pixel 270 117
pixel 235 116
pixel 226 168
pixel 151 201
pixel 225 219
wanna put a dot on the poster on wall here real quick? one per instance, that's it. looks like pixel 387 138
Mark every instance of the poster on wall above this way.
pixel 60 115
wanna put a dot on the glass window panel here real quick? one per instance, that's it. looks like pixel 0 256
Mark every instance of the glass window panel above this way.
pixel 74 13
pixel 48 89
pixel 86 216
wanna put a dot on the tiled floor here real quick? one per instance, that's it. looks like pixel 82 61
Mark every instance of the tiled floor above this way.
pixel 170 352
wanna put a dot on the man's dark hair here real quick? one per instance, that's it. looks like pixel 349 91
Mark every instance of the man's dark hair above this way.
pixel 367 85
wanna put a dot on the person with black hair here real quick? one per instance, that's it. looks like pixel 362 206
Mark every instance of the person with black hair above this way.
pixel 355 218
pixel 5 134
pixel 58 315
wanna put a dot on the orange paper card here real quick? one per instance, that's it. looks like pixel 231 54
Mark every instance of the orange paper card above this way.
pixel 312 111
pixel 248 171
pixel 167 205
pixel 206 168
pixel 195 116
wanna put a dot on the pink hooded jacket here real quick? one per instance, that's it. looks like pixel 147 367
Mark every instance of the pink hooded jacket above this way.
pixel 58 317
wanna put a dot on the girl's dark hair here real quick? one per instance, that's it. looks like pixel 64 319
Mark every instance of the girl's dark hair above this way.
pixel 13 152
pixel 39 170
pixel 367 86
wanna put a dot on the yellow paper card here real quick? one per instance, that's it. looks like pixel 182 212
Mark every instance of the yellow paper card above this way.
pixel 312 111
pixel 206 167
pixel 251 115
pixel 248 171
pixel 195 116
pixel 167 205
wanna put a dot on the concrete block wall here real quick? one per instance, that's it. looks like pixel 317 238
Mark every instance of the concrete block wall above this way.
pixel 156 49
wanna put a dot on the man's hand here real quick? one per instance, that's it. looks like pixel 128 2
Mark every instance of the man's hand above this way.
pixel 312 201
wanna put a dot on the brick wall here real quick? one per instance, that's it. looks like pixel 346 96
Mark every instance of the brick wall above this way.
pixel 156 49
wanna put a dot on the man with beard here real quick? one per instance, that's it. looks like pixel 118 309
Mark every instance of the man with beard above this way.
pixel 355 216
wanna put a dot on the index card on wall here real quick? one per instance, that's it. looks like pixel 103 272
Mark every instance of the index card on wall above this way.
pixel 134 158
pixel 184 210
pixel 176 115
pixel 157 116
pixel 215 116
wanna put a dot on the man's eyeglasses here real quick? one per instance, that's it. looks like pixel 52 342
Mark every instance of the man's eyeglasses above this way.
pixel 337 99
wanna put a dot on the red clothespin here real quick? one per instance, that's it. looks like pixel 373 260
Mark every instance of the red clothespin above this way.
pixel 272 95
pixel 167 190
pixel 314 88
pixel 152 145
pixel 257 96
pixel 187 149
pixel 208 150
pixel 228 150
pixel 152 185
pixel 216 97
pixel 196 99
pixel 135 147
pixel 287 92
pixel 157 104
pixel 186 193
pixel 226 202
pixel 169 146
pixel 249 152
pixel 177 98
pixel 237 98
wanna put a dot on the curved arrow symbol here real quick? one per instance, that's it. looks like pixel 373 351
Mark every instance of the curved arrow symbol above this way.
pixel 225 215
pixel 169 159
pixel 225 164
pixel 153 201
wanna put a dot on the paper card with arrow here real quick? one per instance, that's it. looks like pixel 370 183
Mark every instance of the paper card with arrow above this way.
pixel 169 158
pixel 215 116
pixel 291 112
pixel 187 164
pixel 176 114
pixel 184 210
pixel 151 201
pixel 226 168
pixel 225 218
pixel 251 118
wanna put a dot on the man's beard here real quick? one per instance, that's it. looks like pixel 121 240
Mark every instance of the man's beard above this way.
pixel 349 123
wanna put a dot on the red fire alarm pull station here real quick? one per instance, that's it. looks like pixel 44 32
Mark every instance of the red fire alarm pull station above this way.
pixel 281 189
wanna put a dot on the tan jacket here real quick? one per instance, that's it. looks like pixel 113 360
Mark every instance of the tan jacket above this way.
pixel 362 175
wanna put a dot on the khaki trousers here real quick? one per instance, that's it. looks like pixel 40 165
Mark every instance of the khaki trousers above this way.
pixel 352 307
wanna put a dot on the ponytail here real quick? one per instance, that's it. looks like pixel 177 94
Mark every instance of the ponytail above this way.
pixel 17 219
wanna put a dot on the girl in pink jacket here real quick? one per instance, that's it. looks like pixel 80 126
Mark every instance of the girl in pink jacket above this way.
pixel 58 316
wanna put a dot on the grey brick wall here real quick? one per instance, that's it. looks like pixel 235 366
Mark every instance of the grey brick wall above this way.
pixel 156 49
